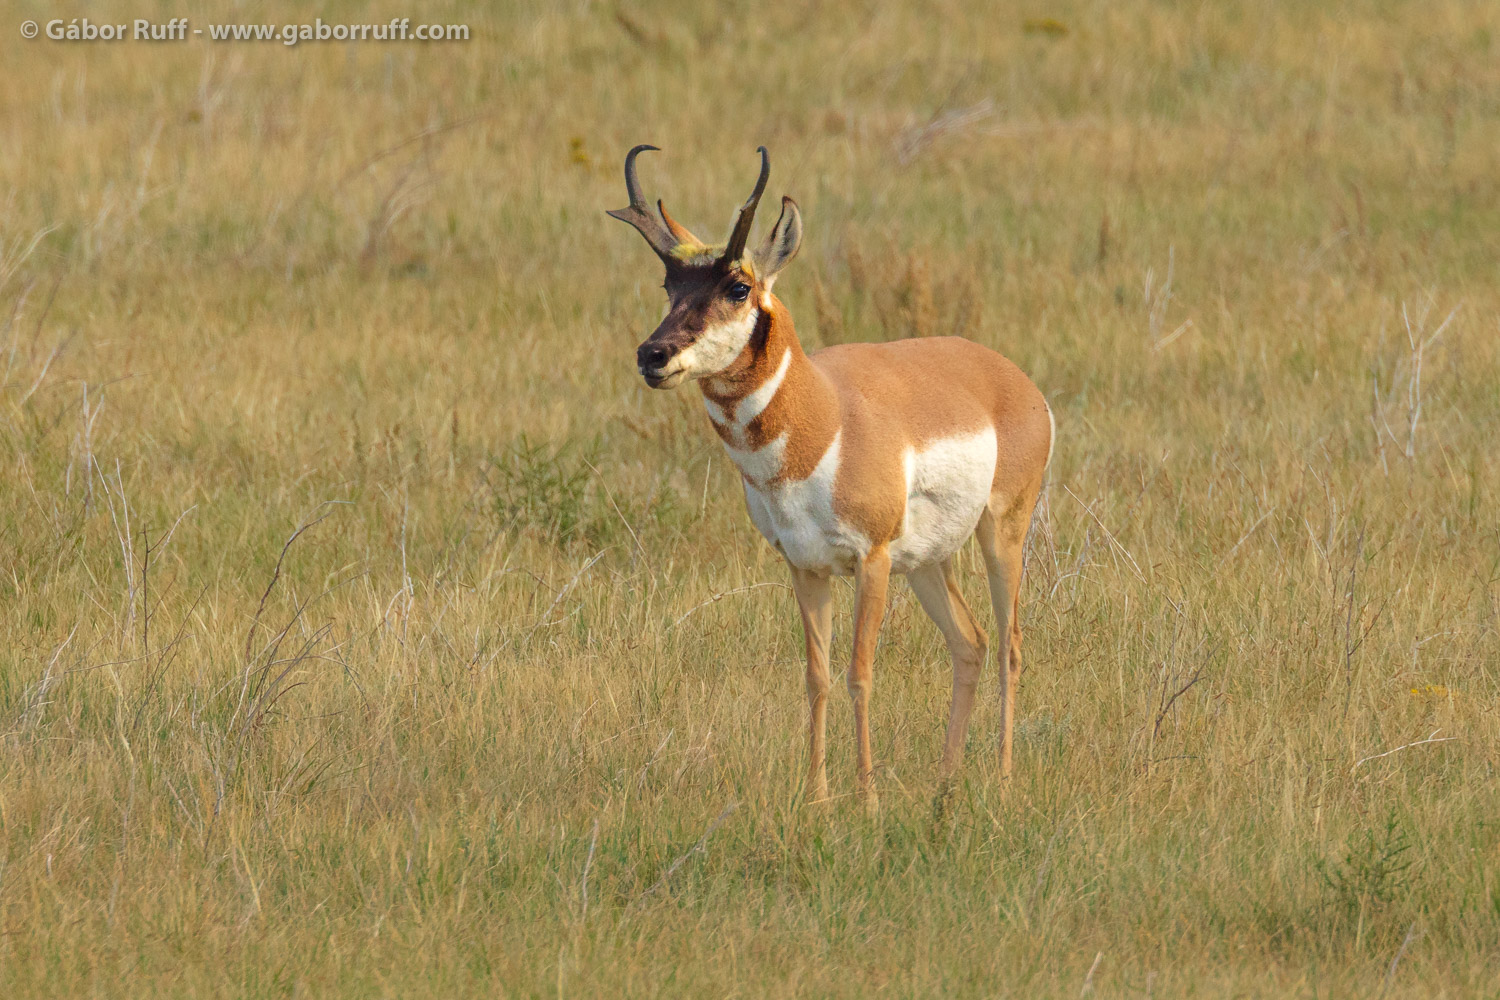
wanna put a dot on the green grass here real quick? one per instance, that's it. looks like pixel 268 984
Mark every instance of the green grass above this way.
pixel 522 714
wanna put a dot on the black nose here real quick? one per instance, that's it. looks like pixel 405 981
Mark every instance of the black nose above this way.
pixel 651 355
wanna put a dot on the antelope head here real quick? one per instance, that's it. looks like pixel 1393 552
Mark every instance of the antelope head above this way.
pixel 716 294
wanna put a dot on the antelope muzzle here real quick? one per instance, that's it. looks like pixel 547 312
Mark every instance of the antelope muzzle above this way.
pixel 659 359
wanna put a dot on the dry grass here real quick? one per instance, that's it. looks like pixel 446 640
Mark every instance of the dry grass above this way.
pixel 520 710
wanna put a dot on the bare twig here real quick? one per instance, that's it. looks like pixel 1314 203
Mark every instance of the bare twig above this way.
pixel 1246 536
pixel 719 597
pixel 545 620
pixel 121 522
pixel 1044 867
pixel 1378 421
pixel 1351 645
pixel 36 696
pixel 422 136
pixel 164 658
pixel 1406 942
pixel 587 864
pixel 1417 345
pixel 912 141
pixel 1405 746
pixel 399 197
pixel 640 781
pixel 1182 328
pixel 46 366
pixel 1168 702
pixel 697 848
pixel 623 520
pixel 1158 297
pixel 1414 382
pixel 276 573
pixel 11 261
pixel 1089 510
pixel 1088 980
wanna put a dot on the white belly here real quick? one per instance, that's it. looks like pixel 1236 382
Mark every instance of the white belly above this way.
pixel 947 486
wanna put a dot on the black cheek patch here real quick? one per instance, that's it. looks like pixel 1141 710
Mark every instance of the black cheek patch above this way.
pixel 761 333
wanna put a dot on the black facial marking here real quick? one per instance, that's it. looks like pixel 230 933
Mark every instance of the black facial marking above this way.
pixel 761 333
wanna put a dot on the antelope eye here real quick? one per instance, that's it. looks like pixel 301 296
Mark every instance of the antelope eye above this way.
pixel 738 292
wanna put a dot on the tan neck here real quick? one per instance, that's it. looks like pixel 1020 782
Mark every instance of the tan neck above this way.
pixel 773 390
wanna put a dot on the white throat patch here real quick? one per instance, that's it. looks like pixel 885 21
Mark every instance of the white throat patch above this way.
pixel 757 399
pixel 718 346
pixel 751 405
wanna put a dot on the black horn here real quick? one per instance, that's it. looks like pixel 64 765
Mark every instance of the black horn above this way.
pixel 741 232
pixel 638 213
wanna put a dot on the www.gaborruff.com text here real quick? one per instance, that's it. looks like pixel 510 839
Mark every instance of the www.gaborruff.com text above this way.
pixel 177 29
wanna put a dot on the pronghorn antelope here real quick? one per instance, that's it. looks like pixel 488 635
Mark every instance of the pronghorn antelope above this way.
pixel 859 460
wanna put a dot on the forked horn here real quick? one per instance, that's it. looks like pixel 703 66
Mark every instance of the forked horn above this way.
pixel 741 233
pixel 638 213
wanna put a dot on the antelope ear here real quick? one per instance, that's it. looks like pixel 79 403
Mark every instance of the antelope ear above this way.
pixel 781 243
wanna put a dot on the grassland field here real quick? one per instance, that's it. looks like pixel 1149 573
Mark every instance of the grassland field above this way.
pixel 368 628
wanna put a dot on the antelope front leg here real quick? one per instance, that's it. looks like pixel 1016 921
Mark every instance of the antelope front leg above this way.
pixel 815 598
pixel 870 581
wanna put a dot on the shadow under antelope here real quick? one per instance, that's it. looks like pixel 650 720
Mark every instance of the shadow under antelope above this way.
pixel 859 460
